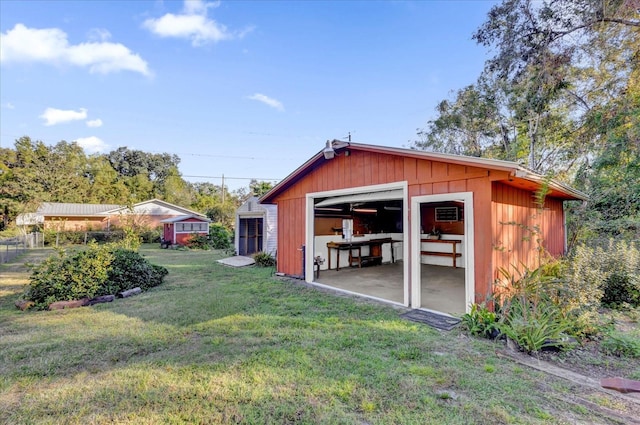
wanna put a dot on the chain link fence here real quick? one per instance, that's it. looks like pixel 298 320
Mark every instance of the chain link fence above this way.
pixel 10 248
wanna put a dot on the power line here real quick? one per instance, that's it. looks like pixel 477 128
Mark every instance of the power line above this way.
pixel 234 178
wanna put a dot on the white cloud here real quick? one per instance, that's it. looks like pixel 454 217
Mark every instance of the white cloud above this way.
pixel 276 104
pixel 99 34
pixel 50 45
pixel 92 144
pixel 8 105
pixel 54 116
pixel 94 123
pixel 192 24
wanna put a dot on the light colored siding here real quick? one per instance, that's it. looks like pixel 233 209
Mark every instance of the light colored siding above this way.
pixel 271 229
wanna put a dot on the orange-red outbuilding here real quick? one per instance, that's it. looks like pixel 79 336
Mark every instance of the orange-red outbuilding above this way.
pixel 353 204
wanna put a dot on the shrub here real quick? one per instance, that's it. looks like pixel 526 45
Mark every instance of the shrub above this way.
pixel 198 241
pixel 151 235
pixel 62 277
pixel 621 344
pixel 535 325
pixel 527 312
pixel 621 274
pixel 598 277
pixel 481 321
pixel 220 236
pixel 264 259
pixel 129 270
pixel 98 270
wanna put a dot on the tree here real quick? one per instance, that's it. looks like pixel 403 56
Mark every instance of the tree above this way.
pixel 259 188
pixel 560 95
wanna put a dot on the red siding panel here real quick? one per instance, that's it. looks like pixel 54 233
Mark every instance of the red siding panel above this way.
pixel 517 225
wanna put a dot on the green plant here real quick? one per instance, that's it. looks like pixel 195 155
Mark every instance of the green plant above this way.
pixel 198 241
pixel 220 236
pixel 131 239
pixel 151 235
pixel 621 275
pixel 535 325
pixel 129 270
pixel 264 259
pixel 97 270
pixel 481 321
pixel 528 314
pixel 621 344
pixel 69 277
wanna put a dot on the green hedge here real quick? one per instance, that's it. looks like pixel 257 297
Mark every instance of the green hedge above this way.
pixel 97 270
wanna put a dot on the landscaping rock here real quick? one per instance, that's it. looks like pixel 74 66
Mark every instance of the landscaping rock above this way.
pixel 24 304
pixel 130 292
pixel 102 299
pixel 621 384
pixel 61 305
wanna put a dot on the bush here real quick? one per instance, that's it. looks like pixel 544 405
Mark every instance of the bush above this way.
pixel 528 314
pixel 621 274
pixel 481 321
pixel 198 241
pixel 151 235
pixel 620 344
pixel 130 270
pixel 62 277
pixel 264 259
pixel 98 270
pixel 220 236
pixel 535 325
pixel 609 277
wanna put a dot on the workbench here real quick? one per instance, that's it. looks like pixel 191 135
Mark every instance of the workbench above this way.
pixel 355 251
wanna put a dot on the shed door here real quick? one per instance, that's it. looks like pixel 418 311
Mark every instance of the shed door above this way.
pixel 250 233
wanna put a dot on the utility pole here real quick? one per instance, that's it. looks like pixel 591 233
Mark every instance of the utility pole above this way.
pixel 223 189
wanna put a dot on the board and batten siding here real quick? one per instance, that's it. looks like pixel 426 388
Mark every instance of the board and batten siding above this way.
pixel 424 177
pixel 517 224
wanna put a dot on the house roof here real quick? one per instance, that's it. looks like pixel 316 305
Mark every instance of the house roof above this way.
pixel 148 207
pixel 71 209
pixel 62 209
pixel 519 175
pixel 185 217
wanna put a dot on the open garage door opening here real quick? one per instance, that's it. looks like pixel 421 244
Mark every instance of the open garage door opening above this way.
pixel 358 243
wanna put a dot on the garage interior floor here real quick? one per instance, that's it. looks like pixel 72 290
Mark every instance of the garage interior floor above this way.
pixel 442 287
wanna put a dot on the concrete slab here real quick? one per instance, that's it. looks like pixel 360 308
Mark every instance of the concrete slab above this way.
pixel 442 287
pixel 237 261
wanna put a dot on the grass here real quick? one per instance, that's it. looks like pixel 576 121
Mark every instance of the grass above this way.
pixel 220 345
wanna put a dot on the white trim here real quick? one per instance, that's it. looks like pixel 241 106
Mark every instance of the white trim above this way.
pixel 469 248
pixel 344 291
pixel 310 233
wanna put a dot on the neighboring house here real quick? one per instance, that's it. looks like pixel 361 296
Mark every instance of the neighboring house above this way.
pixel 177 230
pixel 256 228
pixel 350 193
pixel 79 217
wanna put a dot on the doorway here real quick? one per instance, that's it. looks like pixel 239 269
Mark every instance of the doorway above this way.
pixel 250 235
pixel 442 242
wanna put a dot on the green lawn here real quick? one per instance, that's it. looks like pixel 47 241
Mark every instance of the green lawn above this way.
pixel 222 345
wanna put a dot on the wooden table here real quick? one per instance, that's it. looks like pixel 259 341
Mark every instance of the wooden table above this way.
pixel 453 254
pixel 375 251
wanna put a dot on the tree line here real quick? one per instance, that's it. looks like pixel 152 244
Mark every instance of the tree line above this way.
pixel 33 172
pixel 561 96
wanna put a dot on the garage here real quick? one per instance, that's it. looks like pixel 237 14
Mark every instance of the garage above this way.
pixel 419 229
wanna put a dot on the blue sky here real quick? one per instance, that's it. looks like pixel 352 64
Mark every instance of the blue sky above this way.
pixel 244 89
